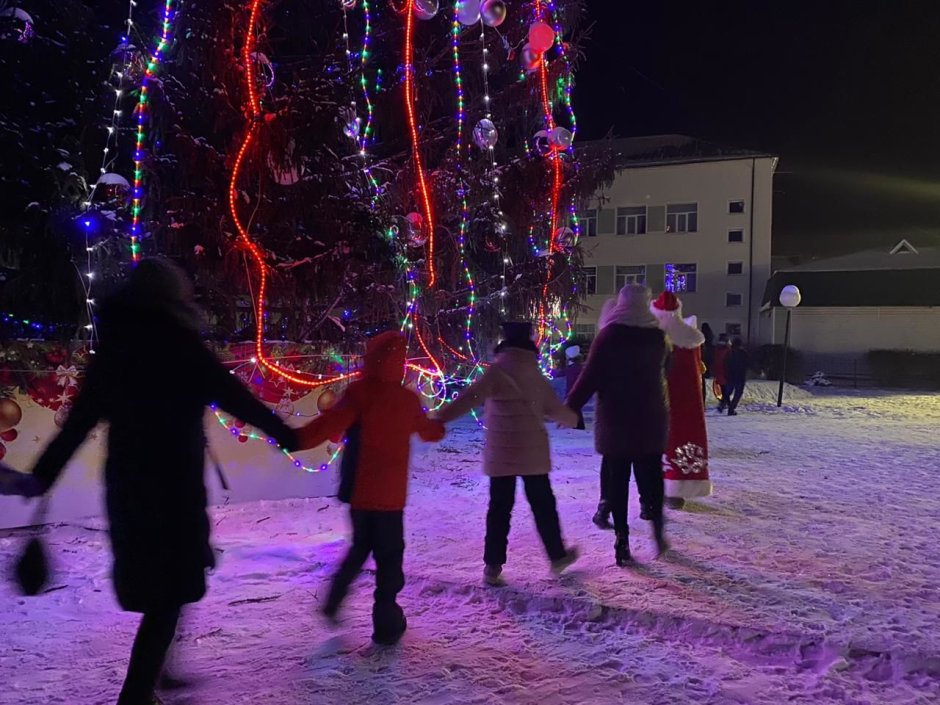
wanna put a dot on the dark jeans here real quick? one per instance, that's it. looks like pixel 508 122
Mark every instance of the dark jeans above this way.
pixel 731 394
pixel 381 534
pixel 154 637
pixel 538 491
pixel 649 481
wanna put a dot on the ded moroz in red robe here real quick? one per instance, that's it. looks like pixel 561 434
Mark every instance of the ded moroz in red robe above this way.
pixel 685 463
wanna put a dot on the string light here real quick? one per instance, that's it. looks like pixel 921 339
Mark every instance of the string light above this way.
pixel 142 112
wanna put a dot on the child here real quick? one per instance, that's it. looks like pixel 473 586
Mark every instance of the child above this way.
pixel 722 352
pixel 517 398
pixel 380 415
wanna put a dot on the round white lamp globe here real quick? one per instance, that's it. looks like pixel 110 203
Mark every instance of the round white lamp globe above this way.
pixel 790 296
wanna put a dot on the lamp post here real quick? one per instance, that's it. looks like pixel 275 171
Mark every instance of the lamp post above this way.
pixel 790 298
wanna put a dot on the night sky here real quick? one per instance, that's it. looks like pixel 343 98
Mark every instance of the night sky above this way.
pixel 846 93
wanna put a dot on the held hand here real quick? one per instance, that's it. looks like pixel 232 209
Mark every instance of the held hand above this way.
pixel 14 483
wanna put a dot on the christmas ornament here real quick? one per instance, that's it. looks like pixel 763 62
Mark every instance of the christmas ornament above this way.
pixel 530 58
pixel 493 12
pixel 560 137
pixel 238 423
pixel 468 11
pixel 327 400
pixel 541 142
pixel 417 232
pixel 10 435
pixel 564 237
pixel 426 9
pixel 352 124
pixel 3 451
pixel 348 4
pixel 485 134
pixel 10 414
pixel 541 37
pixel 264 67
pixel 16 24
pixel 62 414
pixel 112 187
pixel 243 439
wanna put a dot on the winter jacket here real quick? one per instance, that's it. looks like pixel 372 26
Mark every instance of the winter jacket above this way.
pixel 384 414
pixel 572 372
pixel 516 398
pixel 151 380
pixel 736 366
pixel 626 368
pixel 720 368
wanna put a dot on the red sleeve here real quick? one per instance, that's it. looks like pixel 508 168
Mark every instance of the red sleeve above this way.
pixel 332 424
pixel 428 430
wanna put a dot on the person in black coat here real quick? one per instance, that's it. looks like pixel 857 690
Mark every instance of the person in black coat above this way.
pixel 151 379
pixel 737 366
pixel 708 357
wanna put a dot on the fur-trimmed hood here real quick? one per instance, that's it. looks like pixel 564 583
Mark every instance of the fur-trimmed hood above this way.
pixel 682 332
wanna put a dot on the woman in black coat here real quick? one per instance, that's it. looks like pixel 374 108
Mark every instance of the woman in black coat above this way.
pixel 151 380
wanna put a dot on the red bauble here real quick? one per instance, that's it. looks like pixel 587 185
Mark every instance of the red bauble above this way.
pixel 10 414
pixel 243 439
pixel 9 435
pixel 239 423
pixel 3 451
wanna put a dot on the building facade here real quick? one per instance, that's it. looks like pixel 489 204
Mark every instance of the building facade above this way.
pixel 685 215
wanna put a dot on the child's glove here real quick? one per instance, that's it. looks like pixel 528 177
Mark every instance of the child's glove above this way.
pixel 15 483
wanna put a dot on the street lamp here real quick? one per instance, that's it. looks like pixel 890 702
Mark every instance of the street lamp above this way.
pixel 790 298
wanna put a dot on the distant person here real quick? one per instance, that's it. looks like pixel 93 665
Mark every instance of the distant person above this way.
pixel 517 399
pixel 378 416
pixel 626 368
pixel 737 366
pixel 722 351
pixel 572 372
pixel 708 358
pixel 151 379
pixel 685 462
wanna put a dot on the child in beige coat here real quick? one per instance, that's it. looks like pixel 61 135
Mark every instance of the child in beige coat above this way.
pixel 517 399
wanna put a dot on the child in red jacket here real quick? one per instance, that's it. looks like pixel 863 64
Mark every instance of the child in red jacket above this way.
pixel 378 415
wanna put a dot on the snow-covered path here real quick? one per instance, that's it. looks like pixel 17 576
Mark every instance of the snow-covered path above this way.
pixel 810 576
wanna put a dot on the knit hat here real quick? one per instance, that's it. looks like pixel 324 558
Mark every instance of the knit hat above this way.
pixel 631 308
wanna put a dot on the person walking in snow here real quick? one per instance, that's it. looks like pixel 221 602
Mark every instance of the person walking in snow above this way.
pixel 722 351
pixel 736 366
pixel 686 460
pixel 517 399
pixel 378 415
pixel 708 358
pixel 151 379
pixel 626 368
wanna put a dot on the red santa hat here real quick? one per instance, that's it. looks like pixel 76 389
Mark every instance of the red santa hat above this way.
pixel 666 302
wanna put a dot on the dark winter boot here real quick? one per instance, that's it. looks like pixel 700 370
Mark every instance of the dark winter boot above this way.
pixel 662 546
pixel 675 502
pixel 493 575
pixel 389 624
pixel 622 551
pixel 602 516
pixel 645 513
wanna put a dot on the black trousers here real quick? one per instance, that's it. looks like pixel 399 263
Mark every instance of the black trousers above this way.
pixel 735 392
pixel 649 481
pixel 538 490
pixel 153 640
pixel 381 534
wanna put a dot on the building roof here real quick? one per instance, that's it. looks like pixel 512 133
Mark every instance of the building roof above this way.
pixel 657 150
pixel 903 255
pixel 902 276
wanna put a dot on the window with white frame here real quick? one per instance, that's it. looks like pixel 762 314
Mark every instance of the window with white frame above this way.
pixel 681 278
pixel 735 207
pixel 682 218
pixel 631 220
pixel 735 268
pixel 589 223
pixel 732 329
pixel 589 277
pixel 629 274
pixel 732 300
pixel 736 235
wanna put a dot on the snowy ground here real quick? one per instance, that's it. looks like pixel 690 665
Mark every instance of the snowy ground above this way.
pixel 810 576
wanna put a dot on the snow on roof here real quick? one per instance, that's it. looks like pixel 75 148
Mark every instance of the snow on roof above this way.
pixel 902 256
pixel 670 149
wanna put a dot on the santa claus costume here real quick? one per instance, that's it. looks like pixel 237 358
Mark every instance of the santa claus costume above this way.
pixel 685 463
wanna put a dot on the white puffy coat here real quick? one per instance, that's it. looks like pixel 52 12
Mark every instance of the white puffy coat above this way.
pixel 517 398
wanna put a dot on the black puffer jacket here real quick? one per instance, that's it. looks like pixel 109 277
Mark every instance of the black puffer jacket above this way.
pixel 151 380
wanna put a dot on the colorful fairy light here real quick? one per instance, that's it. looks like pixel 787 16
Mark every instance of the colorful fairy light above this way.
pixel 410 99
pixel 142 112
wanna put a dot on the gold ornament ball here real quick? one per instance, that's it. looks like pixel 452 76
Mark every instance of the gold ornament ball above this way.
pixel 10 414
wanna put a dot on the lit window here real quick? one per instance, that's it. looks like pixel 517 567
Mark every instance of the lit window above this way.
pixel 682 218
pixel 681 278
